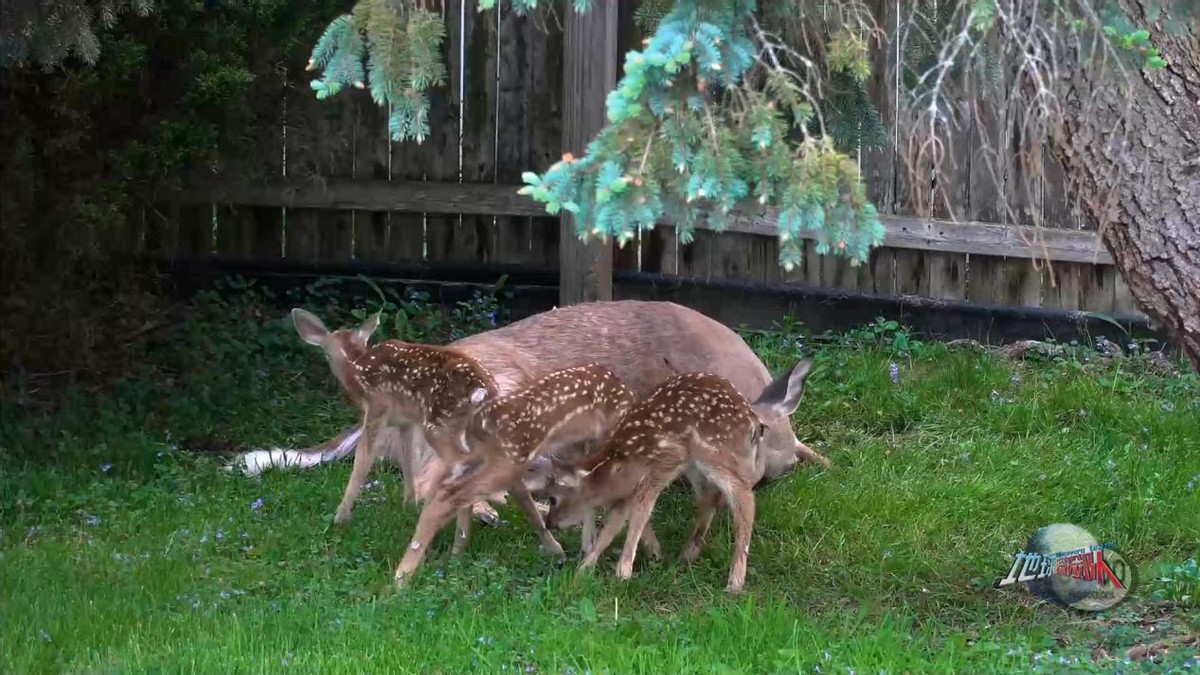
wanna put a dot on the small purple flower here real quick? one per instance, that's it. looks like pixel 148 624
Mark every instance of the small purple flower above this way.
pixel 224 595
pixel 256 504
pixel 894 372
pixel 43 634
pixel 1168 406
pixel 220 534
pixel 105 467
pixel 91 520
pixel 1015 378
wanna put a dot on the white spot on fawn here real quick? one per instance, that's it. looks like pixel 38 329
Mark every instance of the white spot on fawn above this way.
pixel 415 545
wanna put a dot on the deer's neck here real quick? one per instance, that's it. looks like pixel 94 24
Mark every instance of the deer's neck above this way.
pixel 342 360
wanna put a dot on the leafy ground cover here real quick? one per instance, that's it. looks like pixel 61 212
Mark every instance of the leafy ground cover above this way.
pixel 123 551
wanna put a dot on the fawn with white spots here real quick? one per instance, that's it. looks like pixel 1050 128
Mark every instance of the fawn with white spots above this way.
pixel 506 436
pixel 427 391
pixel 694 424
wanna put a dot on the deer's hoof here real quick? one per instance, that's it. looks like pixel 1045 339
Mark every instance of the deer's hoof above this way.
pixel 734 589
pixel 342 518
pixel 402 580
pixel 486 514
pixel 554 550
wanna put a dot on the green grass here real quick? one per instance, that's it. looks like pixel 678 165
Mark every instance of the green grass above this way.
pixel 162 562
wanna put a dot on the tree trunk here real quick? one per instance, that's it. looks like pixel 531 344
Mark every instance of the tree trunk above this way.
pixel 1132 154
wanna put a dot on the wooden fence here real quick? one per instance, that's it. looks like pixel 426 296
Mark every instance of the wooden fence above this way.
pixel 321 183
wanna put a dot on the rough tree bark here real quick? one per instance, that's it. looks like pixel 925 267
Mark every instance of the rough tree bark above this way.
pixel 1140 173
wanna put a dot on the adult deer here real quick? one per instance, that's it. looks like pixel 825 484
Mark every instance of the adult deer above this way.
pixel 695 424
pixel 630 337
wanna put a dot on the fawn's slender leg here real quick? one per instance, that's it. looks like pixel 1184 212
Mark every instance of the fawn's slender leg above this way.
pixel 612 527
pixel 708 500
pixel 650 542
pixel 588 538
pixel 434 516
pixel 411 465
pixel 462 530
pixel 742 505
pixel 363 458
pixel 549 544
pixel 639 516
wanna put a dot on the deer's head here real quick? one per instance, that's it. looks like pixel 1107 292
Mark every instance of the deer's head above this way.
pixel 341 347
pixel 778 449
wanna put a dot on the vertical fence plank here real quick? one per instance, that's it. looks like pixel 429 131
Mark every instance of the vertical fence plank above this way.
pixel 407 231
pixel 194 228
pixel 529 118
pixel 235 231
pixel 474 236
pixel 911 177
pixel 951 198
pixel 518 35
pixel 695 257
pixel 660 252
pixel 990 279
pixel 244 232
pixel 320 146
pixel 372 150
pixel 878 164
pixel 1074 285
pixel 544 119
pixel 1123 300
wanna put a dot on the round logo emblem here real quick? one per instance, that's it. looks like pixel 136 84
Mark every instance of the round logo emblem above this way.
pixel 1064 564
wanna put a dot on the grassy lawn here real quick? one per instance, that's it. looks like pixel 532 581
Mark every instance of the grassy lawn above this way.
pixel 120 551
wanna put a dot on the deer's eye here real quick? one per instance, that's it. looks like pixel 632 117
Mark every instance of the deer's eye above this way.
pixel 553 501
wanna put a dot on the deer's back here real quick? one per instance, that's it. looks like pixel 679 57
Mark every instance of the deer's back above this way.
pixel 536 413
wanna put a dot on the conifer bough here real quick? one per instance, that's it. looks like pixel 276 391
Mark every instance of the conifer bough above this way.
pixel 711 112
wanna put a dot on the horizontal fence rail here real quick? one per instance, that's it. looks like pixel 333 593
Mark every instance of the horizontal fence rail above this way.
pixel 922 234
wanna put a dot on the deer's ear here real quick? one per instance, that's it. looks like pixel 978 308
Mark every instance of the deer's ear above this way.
pixel 310 328
pixel 781 397
pixel 478 395
pixel 368 327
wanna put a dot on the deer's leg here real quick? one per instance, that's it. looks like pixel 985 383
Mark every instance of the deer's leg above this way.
pixel 434 516
pixel 414 461
pixel 364 456
pixel 549 544
pixel 639 517
pixel 650 543
pixel 708 500
pixel 742 504
pixel 612 526
pixel 588 538
pixel 462 531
